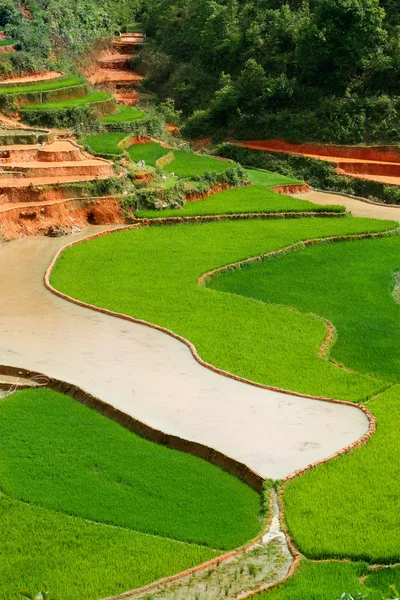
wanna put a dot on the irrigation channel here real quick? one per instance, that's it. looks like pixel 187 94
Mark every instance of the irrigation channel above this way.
pixel 155 378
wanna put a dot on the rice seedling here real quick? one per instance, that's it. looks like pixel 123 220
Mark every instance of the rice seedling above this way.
pixel 91 467
pixel 124 114
pixel 104 143
pixel 349 507
pixel 91 98
pixel 258 177
pixel 73 559
pixel 350 284
pixel 42 86
pixel 232 332
pixel 254 199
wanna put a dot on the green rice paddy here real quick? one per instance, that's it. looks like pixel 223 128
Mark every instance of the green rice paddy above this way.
pixel 349 507
pixel 124 114
pixel 259 177
pixel 73 559
pixel 91 98
pixel 43 86
pixel 252 199
pixel 93 468
pixel 232 332
pixel 149 152
pixel 350 284
pixel 104 144
pixel 329 580
pixel 185 164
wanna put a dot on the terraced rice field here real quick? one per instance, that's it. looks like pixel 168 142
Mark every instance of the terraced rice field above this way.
pixel 253 199
pixel 149 511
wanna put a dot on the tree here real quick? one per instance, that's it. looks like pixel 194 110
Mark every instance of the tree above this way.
pixel 344 38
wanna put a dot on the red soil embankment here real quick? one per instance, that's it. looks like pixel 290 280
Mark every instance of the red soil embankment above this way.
pixel 292 188
pixel 390 154
pixel 23 220
pixel 378 163
pixel 46 76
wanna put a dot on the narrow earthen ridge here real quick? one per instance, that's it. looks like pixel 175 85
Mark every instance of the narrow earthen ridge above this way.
pixel 235 217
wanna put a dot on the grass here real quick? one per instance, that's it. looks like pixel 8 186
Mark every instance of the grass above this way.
pixel 43 86
pixel 149 152
pixel 88 466
pixel 268 178
pixel 350 506
pixel 7 42
pixel 253 199
pixel 326 581
pixel 232 332
pixel 185 164
pixel 91 98
pixel 124 114
pixel 104 143
pixel 74 559
pixel 348 283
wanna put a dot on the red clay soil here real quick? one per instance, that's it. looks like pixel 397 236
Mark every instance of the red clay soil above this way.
pixel 378 163
pixel 22 220
pixel 127 98
pixel 24 166
pixel 25 11
pixel 7 49
pixel 46 76
pixel 389 154
pixel 292 188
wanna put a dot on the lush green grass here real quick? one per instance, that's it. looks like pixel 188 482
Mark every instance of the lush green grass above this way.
pixel 349 283
pixel 124 114
pixel 149 152
pixel 232 332
pixel 324 581
pixel 74 559
pixel 267 178
pixel 350 506
pixel 7 42
pixel 91 467
pixel 91 98
pixel 187 164
pixel 104 143
pixel 252 199
pixel 135 28
pixel 55 84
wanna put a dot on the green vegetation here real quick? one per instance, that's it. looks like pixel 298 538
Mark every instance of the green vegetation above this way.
pixel 348 283
pixel 325 581
pixel 124 114
pixel 91 98
pixel 93 468
pixel 231 332
pixel 269 178
pixel 42 86
pixel 149 152
pixel 352 511
pixel 187 164
pixel 104 144
pixel 7 42
pixel 318 173
pixel 253 199
pixel 270 69
pixel 74 559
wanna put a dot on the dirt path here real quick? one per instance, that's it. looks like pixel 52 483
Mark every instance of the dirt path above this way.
pixel 116 361
pixel 358 208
